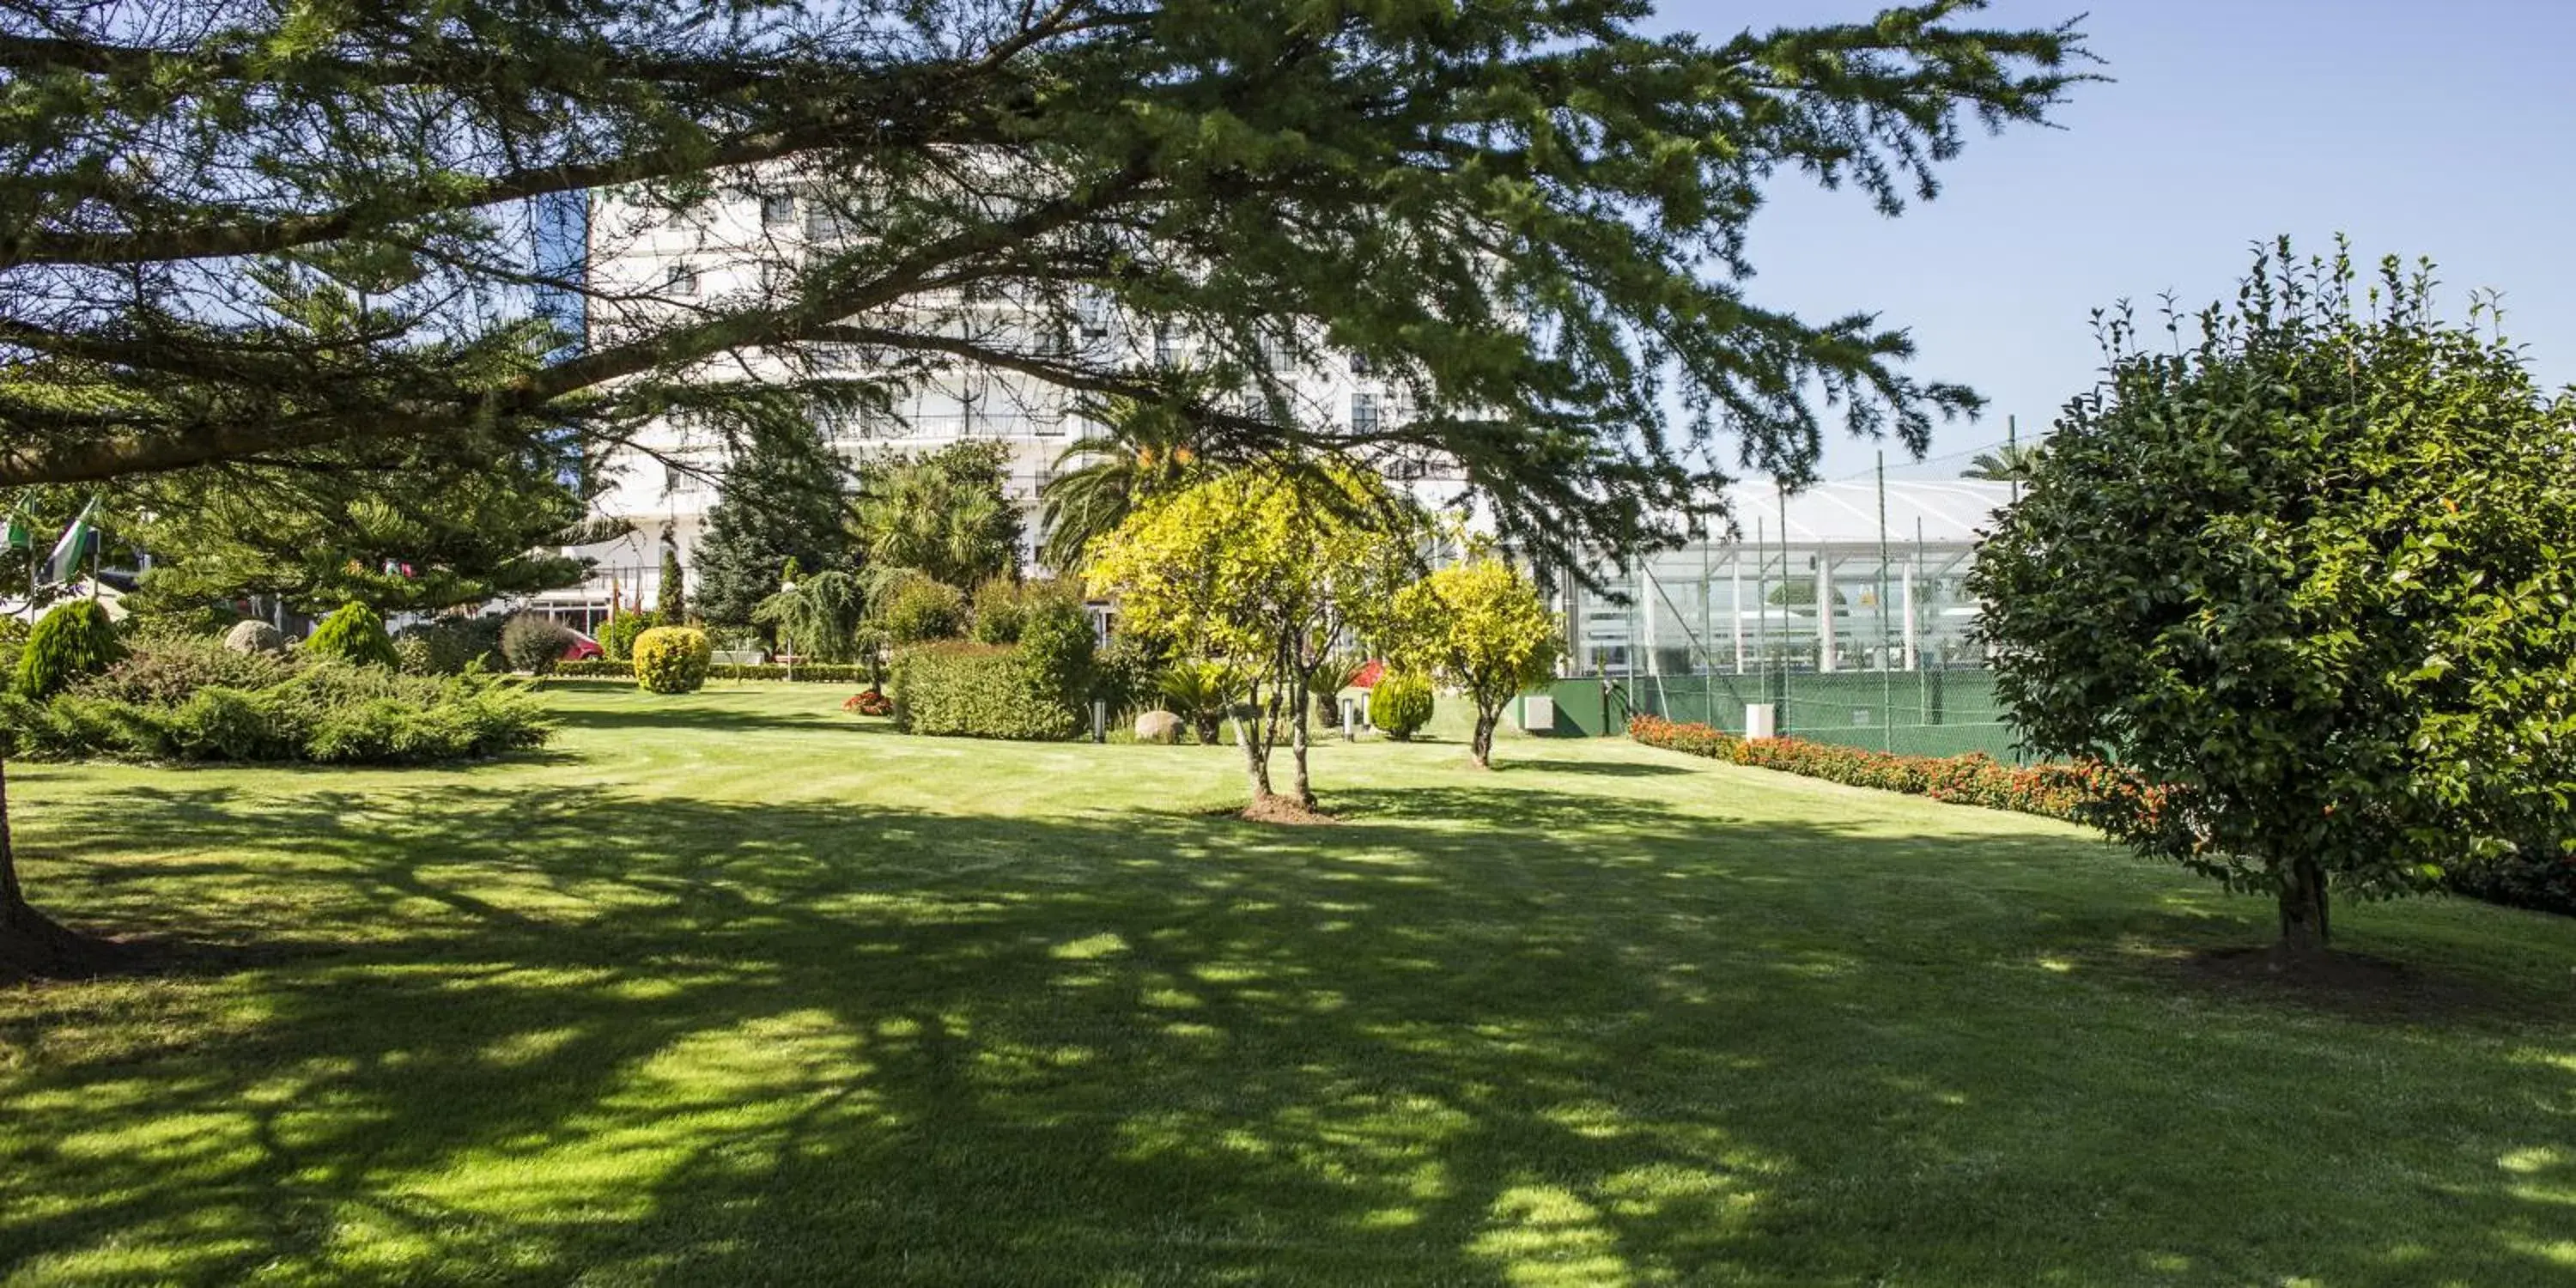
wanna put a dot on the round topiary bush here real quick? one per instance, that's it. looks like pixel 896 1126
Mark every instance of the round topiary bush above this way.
pixel 255 636
pixel 672 659
pixel 354 634
pixel 532 643
pixel 73 641
pixel 1400 704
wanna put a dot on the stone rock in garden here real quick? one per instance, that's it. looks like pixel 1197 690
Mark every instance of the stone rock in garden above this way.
pixel 1158 726
pixel 254 637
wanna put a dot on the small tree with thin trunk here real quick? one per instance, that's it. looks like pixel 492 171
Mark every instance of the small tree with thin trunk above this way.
pixel 2312 573
pixel 671 603
pixel 1481 628
pixel 1263 570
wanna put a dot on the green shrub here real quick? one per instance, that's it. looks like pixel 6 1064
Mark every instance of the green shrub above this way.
pixel 72 641
pixel 959 689
pixel 1400 704
pixel 329 712
pixel 449 646
pixel 672 659
pixel 1128 673
pixel 1200 693
pixel 617 634
pixel 354 634
pixel 921 610
pixel 999 612
pixel 167 671
pixel 1058 651
pixel 533 643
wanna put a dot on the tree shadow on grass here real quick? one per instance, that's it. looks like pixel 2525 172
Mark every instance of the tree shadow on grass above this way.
pixel 1483 1035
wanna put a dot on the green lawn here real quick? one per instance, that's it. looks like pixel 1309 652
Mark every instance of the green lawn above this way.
pixel 734 989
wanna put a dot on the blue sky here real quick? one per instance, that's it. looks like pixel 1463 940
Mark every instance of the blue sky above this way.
pixel 2444 129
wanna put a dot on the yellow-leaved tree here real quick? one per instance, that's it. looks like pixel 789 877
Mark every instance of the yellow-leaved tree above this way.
pixel 1262 569
pixel 1482 627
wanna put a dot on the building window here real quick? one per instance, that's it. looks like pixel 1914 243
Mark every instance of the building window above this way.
pixel 1165 351
pixel 777 211
pixel 1364 413
pixel 1278 356
pixel 681 280
pixel 1360 365
pixel 1092 308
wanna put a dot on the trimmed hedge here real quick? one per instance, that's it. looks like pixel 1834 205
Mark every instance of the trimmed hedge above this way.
pixel 2541 877
pixel 962 690
pixel 672 659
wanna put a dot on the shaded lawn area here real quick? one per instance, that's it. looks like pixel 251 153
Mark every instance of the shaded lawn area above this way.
pixel 731 989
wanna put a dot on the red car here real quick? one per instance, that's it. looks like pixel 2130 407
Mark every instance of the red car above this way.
pixel 583 649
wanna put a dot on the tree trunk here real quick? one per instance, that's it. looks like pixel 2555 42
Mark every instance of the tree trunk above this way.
pixel 2305 929
pixel 1297 742
pixel 1252 733
pixel 29 940
pixel 1480 748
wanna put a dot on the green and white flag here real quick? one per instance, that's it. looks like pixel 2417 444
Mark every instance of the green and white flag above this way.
pixel 65 562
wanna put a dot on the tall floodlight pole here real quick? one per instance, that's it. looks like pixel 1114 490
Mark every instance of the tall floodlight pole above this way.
pixel 2012 455
pixel 1886 680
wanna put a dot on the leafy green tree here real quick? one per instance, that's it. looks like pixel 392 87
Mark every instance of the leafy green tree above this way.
pixel 2010 463
pixel 2311 575
pixel 818 617
pixel 1482 628
pixel 943 515
pixel 244 232
pixel 783 501
pixel 1262 570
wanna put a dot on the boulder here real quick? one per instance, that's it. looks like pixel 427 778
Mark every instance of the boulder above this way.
pixel 1158 726
pixel 254 637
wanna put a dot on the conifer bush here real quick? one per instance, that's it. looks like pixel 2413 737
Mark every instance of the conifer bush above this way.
pixel 72 641
pixel 356 633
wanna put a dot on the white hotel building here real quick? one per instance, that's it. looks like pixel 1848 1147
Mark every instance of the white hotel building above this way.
pixel 665 486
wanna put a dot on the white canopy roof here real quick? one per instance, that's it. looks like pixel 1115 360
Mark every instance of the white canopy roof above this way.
pixel 1941 511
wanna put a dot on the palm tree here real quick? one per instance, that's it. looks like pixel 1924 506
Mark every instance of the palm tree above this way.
pixel 2010 463
pixel 1144 451
pixel 941 516
pixel 1200 692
